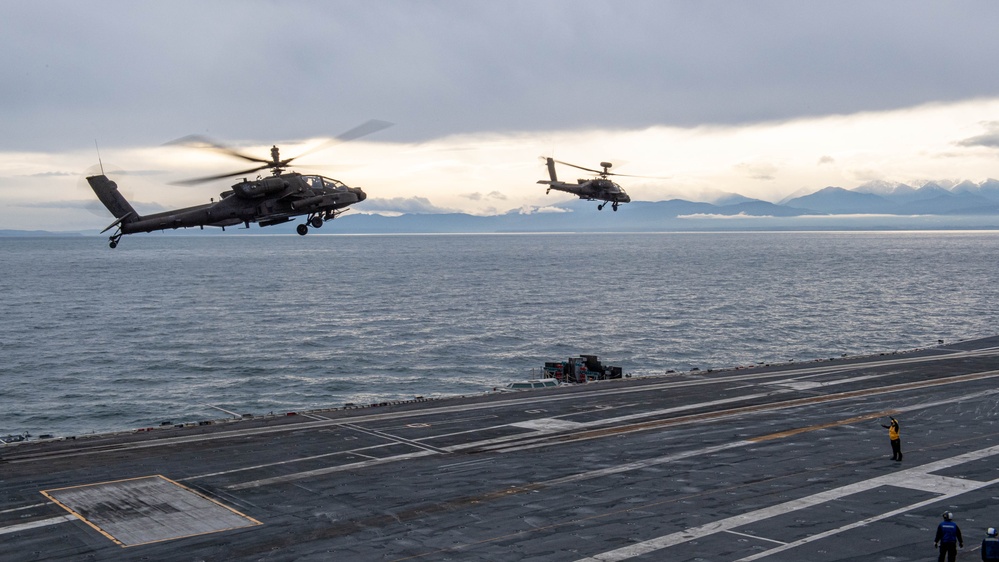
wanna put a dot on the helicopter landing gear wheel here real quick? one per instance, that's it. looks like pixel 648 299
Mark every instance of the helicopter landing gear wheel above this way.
pixel 316 222
pixel 113 244
pixel 614 206
pixel 600 207
pixel 302 230
pixel 114 241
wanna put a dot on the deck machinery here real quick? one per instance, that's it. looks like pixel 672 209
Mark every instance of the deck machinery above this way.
pixel 581 369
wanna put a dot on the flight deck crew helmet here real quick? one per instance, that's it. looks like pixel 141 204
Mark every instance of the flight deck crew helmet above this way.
pixel 992 532
pixel 947 515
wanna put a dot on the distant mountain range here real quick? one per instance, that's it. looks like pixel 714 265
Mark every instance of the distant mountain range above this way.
pixel 965 198
pixel 875 206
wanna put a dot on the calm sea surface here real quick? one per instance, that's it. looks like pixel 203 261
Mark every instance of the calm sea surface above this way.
pixel 168 327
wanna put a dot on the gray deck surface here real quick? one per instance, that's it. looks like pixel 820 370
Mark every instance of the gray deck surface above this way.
pixel 779 463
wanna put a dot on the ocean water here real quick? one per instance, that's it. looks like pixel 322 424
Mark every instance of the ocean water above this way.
pixel 177 327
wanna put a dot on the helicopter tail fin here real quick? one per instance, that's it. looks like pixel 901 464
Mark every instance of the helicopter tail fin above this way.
pixel 107 192
pixel 551 168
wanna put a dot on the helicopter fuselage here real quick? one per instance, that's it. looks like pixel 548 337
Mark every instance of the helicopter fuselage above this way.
pixel 264 200
pixel 267 201
pixel 592 189
pixel 599 189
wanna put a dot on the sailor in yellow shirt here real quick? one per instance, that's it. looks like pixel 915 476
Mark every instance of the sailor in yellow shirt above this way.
pixel 896 443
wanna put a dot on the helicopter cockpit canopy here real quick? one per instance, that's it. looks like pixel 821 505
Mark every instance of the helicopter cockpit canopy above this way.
pixel 319 182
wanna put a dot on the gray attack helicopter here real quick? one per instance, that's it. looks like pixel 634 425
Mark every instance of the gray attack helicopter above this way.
pixel 593 189
pixel 271 200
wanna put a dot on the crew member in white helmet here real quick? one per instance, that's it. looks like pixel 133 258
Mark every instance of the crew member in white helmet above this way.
pixel 948 538
pixel 990 546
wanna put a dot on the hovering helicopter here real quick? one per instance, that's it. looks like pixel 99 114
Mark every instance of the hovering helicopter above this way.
pixel 271 200
pixel 593 189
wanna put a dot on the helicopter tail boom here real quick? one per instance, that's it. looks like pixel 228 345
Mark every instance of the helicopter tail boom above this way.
pixel 107 192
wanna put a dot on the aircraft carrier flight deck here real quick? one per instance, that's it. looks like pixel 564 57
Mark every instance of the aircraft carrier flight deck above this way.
pixel 774 463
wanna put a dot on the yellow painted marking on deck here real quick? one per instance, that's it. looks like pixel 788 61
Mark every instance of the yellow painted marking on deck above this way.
pixel 790 432
pixel 767 407
pixel 98 484
pixel 80 517
pixel 662 460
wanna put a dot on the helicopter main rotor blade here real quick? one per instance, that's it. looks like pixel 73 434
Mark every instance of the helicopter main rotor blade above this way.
pixel 581 168
pixel 631 176
pixel 603 173
pixel 198 141
pixel 362 130
pixel 196 181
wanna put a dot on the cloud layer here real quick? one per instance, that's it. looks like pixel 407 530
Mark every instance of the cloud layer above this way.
pixel 139 73
pixel 762 98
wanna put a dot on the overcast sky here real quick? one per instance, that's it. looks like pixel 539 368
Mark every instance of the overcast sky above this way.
pixel 760 98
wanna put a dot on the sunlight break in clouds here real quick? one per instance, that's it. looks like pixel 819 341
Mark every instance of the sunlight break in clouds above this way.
pixel 738 216
pixel 496 173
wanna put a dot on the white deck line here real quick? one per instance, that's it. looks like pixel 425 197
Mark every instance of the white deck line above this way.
pixel 912 477
pixel 25 507
pixel 35 524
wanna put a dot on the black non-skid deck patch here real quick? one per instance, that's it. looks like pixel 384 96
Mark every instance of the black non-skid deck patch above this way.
pixel 146 510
